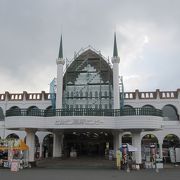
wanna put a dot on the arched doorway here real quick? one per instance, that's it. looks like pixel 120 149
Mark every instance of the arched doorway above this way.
pixel 12 136
pixel 47 146
pixel 149 145
pixel 170 142
pixel 127 138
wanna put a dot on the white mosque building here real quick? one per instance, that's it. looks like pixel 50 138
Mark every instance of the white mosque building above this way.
pixel 87 112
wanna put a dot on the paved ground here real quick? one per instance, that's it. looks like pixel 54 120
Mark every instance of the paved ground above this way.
pixel 76 163
pixel 88 174
pixel 87 169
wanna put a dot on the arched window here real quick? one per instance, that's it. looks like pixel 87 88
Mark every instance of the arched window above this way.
pixel 49 111
pixel 105 94
pixel 14 111
pixel 100 94
pixel 128 110
pixel 148 106
pixel 170 112
pixel 110 106
pixel 77 94
pixel 33 111
pixel 147 110
pixel 81 94
pixel 90 94
pixel 67 94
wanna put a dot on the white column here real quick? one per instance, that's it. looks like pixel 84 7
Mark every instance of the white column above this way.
pixel 30 141
pixel 115 61
pixel 57 144
pixel 59 92
pixel 117 139
pixel 40 149
pixel 114 142
pixel 136 142
pixel 160 150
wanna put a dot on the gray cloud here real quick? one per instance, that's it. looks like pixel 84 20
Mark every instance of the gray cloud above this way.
pixel 147 32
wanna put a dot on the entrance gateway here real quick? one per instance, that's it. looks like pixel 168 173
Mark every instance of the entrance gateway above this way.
pixel 85 113
pixel 87 143
pixel 81 143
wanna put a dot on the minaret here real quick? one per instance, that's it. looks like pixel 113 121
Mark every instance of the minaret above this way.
pixel 60 63
pixel 115 61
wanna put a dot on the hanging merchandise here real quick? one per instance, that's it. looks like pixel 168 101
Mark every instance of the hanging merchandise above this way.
pixel 13 154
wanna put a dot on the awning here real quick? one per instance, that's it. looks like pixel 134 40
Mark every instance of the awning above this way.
pixel 22 147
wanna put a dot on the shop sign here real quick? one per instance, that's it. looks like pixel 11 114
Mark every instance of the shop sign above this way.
pixel 78 122
pixel 15 166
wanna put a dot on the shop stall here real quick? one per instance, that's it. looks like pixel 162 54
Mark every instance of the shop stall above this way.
pixel 13 154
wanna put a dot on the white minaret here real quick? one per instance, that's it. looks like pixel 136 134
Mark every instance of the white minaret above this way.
pixel 115 61
pixel 60 63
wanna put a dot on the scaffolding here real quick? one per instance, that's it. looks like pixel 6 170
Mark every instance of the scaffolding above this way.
pixel 88 81
pixel 53 93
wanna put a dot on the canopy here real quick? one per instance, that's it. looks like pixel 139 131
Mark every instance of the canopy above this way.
pixel 22 147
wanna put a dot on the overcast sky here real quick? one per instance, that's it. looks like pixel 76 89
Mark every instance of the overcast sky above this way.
pixel 148 37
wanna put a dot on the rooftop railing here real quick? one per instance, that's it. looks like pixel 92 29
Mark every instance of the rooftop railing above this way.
pixel 85 112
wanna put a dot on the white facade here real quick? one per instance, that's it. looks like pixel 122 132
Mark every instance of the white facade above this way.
pixel 30 115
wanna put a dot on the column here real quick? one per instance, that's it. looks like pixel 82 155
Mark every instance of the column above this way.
pixel 136 142
pixel 160 150
pixel 40 149
pixel 117 140
pixel 30 141
pixel 57 144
